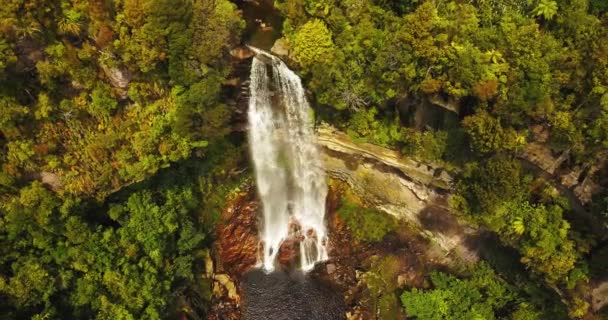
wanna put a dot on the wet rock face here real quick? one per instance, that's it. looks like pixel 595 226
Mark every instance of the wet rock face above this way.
pixel 289 253
pixel 350 260
pixel 239 247
pixel 237 234
pixel 337 287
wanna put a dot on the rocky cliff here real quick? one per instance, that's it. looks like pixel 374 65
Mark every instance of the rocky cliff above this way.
pixel 409 190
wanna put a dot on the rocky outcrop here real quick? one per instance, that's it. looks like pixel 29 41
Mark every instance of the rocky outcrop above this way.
pixel 420 174
pixel 580 180
pixel 449 103
pixel 281 49
pixel 225 298
pixel 241 53
pixel 407 189
pixel 238 246
pixel 599 296
pixel 118 78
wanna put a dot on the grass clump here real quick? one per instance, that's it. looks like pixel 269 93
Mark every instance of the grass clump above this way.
pixel 366 224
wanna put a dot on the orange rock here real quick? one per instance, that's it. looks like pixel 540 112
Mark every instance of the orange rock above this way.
pixel 289 252
pixel 237 235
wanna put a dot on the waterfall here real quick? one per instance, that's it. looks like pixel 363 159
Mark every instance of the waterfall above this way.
pixel 289 175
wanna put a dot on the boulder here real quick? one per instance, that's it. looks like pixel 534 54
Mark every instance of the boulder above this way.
pixel 118 78
pixel 281 49
pixel 289 252
pixel 242 53
pixel 52 180
pixel 599 296
pixel 228 284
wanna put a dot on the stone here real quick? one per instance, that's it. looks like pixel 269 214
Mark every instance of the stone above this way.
pixel 289 252
pixel 541 155
pixel 331 268
pixel 225 281
pixel 237 234
pixel 281 48
pixel 208 264
pixel 339 143
pixel 599 296
pixel 570 179
pixel 450 103
pixel 118 78
pixel 402 187
pixel 217 289
pixel 51 179
pixel 402 280
pixel 242 53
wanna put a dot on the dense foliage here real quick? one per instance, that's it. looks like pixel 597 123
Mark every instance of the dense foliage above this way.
pixel 116 151
pixel 481 295
pixel 96 96
pixel 105 94
pixel 365 224
pixel 509 64
pixel 121 272
pixel 468 85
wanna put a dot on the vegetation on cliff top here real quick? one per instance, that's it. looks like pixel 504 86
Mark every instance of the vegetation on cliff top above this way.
pixel 505 67
pixel 117 107
pixel 98 99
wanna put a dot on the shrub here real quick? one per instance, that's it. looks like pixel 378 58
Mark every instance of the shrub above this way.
pixel 366 224
pixel 312 43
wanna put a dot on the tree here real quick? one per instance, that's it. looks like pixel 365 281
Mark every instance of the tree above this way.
pixel 483 295
pixel 546 8
pixel 488 135
pixel 485 187
pixel 312 44
pixel 541 235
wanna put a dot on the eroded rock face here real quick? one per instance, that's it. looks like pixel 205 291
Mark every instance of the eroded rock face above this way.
pixel 237 234
pixel 118 78
pixel 407 189
pixel 582 180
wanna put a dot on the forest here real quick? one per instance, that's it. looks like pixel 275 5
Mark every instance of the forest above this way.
pixel 121 142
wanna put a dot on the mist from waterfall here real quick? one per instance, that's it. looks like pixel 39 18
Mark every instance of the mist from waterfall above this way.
pixel 289 175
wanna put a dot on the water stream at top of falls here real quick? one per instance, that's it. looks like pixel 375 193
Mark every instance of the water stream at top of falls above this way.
pixel 289 175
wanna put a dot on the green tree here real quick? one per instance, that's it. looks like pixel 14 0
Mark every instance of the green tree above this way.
pixel 488 135
pixel 546 9
pixel 485 187
pixel 312 44
pixel 542 238
pixel 482 296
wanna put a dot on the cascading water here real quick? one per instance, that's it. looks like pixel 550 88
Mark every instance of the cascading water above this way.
pixel 290 180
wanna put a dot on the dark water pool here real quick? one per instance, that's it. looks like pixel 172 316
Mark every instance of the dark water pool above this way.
pixel 284 296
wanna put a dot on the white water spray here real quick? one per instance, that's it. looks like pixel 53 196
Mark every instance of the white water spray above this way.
pixel 289 176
